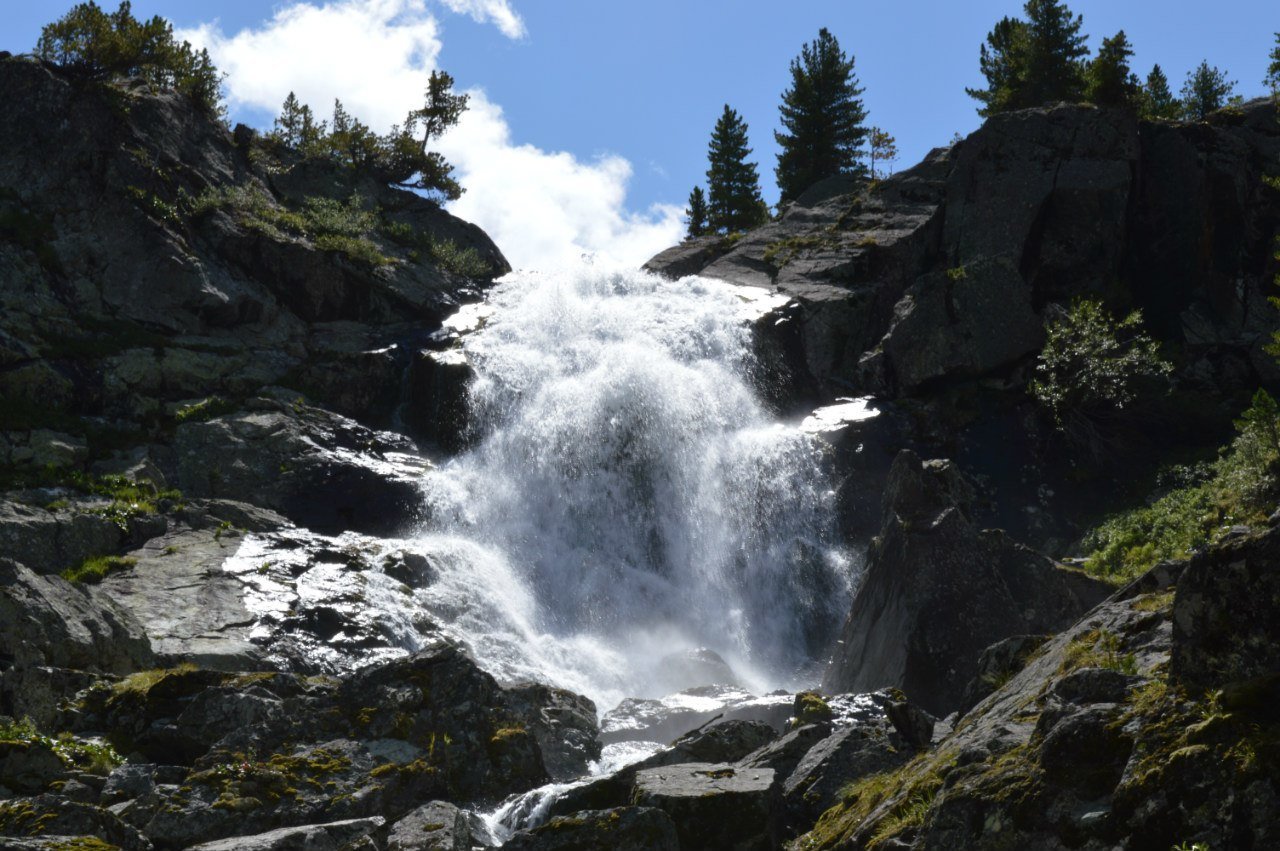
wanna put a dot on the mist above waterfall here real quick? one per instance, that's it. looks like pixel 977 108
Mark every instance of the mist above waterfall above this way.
pixel 627 495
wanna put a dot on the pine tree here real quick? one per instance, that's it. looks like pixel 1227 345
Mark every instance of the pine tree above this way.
pixel 1110 81
pixel 696 213
pixel 883 149
pixel 733 184
pixel 1003 61
pixel 822 118
pixel 1205 90
pixel 1032 62
pixel 287 127
pixel 1272 80
pixel 1158 101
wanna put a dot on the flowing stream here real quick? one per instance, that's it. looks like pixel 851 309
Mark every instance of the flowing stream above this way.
pixel 627 494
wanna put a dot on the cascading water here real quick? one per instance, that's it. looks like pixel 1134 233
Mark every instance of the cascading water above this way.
pixel 627 494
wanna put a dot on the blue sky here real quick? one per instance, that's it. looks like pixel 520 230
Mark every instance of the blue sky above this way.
pixel 591 117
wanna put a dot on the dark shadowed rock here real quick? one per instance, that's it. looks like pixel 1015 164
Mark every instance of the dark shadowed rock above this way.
pixel 938 592
pixel 564 724
pixel 998 663
pixel 29 767
pixel 319 469
pixel 1226 615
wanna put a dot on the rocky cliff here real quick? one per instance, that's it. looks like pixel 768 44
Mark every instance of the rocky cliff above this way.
pixel 930 290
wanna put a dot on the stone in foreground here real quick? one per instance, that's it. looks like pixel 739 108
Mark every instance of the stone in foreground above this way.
pixel 715 805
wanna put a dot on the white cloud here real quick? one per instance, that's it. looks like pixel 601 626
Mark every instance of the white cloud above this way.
pixel 499 12
pixel 541 207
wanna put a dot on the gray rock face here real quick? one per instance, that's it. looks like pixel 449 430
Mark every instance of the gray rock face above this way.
pixel 438 826
pixel 620 829
pixel 830 765
pixel 715 806
pixel 937 592
pixel 662 720
pixel 564 725
pixel 52 541
pixel 29 767
pixel 45 620
pixel 723 741
pixel 319 469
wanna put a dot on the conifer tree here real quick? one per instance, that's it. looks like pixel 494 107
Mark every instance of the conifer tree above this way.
pixel 733 184
pixel 1158 101
pixel 1205 90
pixel 1032 62
pixel 1110 81
pixel 822 118
pixel 1272 80
pixel 287 127
pixel 883 149
pixel 696 213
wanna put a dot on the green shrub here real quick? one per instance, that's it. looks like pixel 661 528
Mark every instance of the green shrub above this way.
pixel 466 262
pixel 1092 368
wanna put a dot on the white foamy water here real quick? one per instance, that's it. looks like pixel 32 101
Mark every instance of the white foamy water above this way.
pixel 627 494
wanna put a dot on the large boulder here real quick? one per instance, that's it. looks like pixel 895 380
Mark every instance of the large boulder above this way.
pixel 715 806
pixel 937 592
pixel 620 829
pixel 319 469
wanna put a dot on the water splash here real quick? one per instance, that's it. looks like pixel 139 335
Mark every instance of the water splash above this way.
pixel 628 495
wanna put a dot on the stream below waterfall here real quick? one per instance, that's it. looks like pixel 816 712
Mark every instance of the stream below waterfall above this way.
pixel 627 495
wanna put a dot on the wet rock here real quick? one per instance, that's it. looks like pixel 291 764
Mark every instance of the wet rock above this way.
pixel 715 806
pixel 131 780
pixel 437 411
pixel 689 257
pixel 334 836
pixel 438 826
pixel 938 592
pixel 621 829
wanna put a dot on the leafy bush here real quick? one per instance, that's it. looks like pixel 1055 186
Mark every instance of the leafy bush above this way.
pixel 91 43
pixel 466 262
pixel 1092 369
pixel 1198 505
pixel 89 756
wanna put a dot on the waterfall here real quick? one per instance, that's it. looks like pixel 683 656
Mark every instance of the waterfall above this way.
pixel 627 494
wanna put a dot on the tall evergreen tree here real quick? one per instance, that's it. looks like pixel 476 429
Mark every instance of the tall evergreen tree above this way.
pixel 1110 81
pixel 287 127
pixel 733 184
pixel 697 213
pixel 822 118
pixel 1158 101
pixel 1032 62
pixel 1205 90
pixel 1272 80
